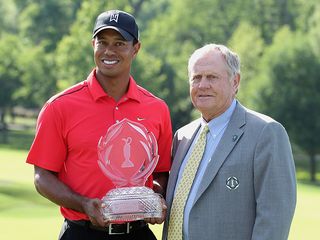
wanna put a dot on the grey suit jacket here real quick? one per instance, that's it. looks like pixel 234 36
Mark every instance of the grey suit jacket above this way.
pixel 248 190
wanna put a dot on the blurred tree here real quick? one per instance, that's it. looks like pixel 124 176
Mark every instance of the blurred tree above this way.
pixel 10 49
pixel 305 11
pixel 314 30
pixel 292 96
pixel 37 76
pixel 74 55
pixel 46 20
pixel 247 42
pixel 271 15
pixel 8 15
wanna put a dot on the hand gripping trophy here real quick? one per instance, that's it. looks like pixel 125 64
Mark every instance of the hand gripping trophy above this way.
pixel 128 154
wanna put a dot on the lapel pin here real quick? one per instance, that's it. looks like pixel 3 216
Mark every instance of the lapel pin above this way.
pixel 235 137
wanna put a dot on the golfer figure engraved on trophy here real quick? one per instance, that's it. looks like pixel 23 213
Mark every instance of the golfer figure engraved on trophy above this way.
pixel 128 154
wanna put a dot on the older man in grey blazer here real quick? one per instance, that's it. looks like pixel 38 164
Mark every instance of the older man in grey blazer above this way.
pixel 245 185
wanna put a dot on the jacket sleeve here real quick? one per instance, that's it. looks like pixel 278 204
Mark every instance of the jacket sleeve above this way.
pixel 274 184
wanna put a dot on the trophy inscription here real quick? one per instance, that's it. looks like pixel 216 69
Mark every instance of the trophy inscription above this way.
pixel 128 154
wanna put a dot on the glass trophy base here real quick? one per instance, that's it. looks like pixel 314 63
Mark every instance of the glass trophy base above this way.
pixel 131 203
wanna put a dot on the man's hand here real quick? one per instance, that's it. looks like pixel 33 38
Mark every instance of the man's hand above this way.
pixel 93 208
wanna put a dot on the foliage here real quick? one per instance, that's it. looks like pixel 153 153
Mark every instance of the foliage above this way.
pixel 314 30
pixel 305 12
pixel 292 96
pixel 47 20
pixel 38 84
pixel 8 14
pixel 279 13
pixel 74 52
pixel 242 40
pixel 9 73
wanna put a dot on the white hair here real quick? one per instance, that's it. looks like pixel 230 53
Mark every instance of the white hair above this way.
pixel 231 58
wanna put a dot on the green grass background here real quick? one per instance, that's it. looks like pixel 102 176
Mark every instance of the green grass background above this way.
pixel 24 214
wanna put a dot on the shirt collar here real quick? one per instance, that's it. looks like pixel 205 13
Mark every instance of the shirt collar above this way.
pixel 97 91
pixel 133 91
pixel 220 121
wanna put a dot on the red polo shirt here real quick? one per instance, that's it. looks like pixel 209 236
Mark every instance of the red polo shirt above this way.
pixel 71 123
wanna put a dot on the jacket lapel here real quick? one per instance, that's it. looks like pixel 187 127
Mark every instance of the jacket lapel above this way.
pixel 229 139
pixel 189 134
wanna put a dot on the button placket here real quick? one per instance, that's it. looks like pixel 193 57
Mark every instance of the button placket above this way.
pixel 116 114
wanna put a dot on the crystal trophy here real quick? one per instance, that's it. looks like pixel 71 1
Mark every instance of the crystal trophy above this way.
pixel 128 154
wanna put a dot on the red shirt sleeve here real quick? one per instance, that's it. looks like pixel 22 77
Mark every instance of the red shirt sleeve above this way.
pixel 48 149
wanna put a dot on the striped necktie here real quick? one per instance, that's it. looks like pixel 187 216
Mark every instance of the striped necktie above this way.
pixel 184 186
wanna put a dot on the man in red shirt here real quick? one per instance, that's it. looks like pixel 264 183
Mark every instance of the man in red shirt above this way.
pixel 69 126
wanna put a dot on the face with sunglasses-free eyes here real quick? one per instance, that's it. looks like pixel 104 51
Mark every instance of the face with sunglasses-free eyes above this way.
pixel 113 55
pixel 212 89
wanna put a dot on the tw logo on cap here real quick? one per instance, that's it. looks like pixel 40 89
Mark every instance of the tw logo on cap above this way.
pixel 114 17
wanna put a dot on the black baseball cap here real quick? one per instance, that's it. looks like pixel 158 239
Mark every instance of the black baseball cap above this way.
pixel 120 21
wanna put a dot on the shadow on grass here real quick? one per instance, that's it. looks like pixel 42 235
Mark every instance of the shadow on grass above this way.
pixel 16 139
pixel 309 183
pixel 303 176
pixel 16 193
